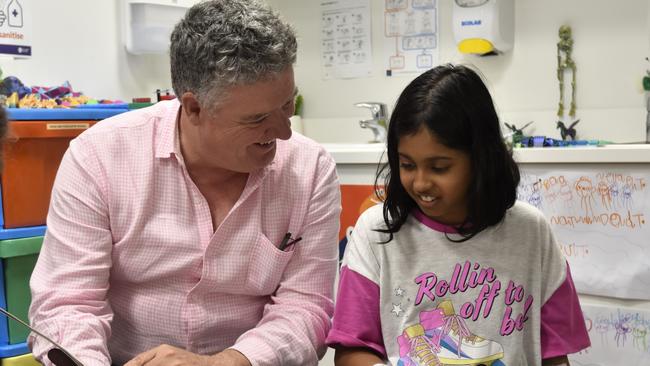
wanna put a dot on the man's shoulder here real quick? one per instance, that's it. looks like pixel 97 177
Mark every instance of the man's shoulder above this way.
pixel 129 122
pixel 302 151
pixel 130 129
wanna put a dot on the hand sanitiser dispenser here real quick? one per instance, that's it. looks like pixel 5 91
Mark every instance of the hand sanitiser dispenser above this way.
pixel 484 27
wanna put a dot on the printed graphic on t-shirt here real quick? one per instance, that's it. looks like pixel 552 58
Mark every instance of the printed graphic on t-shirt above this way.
pixel 442 336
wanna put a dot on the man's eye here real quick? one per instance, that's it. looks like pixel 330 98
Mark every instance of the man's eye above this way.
pixel 258 120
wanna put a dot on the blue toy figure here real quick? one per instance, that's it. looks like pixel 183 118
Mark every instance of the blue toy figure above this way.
pixel 567 132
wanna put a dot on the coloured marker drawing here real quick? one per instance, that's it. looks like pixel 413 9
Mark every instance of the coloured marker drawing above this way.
pixel 599 219
pixel 619 336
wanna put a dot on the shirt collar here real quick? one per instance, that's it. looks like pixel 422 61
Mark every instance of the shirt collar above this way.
pixel 433 224
pixel 168 138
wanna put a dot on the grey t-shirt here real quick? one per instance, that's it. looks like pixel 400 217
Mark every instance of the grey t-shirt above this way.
pixel 477 302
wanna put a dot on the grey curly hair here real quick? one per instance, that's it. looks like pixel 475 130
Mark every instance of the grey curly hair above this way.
pixel 220 43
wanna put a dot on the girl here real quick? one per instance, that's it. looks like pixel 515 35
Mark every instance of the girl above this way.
pixel 451 270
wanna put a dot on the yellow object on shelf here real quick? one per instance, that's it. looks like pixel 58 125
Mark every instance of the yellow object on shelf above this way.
pixel 475 45
pixel 22 360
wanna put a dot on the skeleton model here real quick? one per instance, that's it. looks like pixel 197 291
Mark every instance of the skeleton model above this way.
pixel 564 63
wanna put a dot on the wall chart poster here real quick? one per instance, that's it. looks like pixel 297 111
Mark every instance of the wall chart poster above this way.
pixel 346 50
pixel 410 36
pixel 619 336
pixel 599 217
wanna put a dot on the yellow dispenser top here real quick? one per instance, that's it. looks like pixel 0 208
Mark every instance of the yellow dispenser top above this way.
pixel 475 45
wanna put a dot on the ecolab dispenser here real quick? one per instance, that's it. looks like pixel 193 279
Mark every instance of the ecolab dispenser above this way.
pixel 484 27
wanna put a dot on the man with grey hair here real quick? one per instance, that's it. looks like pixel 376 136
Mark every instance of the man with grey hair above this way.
pixel 198 231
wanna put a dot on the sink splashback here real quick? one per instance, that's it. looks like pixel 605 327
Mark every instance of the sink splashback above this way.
pixel 336 130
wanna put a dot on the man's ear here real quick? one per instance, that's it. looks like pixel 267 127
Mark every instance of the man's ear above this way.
pixel 191 107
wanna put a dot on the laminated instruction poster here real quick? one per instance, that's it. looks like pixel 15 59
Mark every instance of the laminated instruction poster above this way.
pixel 410 36
pixel 600 219
pixel 346 50
pixel 15 28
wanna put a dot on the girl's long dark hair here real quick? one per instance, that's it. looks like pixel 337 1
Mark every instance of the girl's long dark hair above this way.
pixel 453 103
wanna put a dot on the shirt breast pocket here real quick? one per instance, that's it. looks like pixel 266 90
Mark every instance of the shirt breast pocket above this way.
pixel 266 267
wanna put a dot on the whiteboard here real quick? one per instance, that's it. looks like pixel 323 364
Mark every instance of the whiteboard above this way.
pixel 598 214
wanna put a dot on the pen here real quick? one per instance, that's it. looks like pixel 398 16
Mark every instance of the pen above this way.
pixel 285 240
pixel 286 243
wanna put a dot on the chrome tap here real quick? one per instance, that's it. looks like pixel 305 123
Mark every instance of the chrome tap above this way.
pixel 378 123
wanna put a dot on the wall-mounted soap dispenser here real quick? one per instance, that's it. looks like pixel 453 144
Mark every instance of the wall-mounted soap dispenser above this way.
pixel 149 23
pixel 484 27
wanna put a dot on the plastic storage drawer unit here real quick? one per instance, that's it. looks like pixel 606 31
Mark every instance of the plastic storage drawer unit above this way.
pixel 18 257
pixel 33 151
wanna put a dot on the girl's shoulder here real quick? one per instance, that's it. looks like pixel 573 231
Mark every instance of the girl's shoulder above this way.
pixel 373 216
pixel 371 223
pixel 524 213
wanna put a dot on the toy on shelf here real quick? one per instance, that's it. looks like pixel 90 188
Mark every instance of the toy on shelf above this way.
pixel 166 96
pixel 543 141
pixel 565 63
pixel 567 132
pixel 515 133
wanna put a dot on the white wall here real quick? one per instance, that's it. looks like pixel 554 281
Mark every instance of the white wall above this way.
pixel 81 41
pixel 611 43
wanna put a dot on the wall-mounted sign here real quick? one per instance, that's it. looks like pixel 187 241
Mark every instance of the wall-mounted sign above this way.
pixel 16 28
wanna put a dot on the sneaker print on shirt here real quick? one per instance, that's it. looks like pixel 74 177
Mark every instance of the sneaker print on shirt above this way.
pixel 443 338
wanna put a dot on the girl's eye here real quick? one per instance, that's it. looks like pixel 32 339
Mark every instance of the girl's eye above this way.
pixel 439 169
pixel 406 166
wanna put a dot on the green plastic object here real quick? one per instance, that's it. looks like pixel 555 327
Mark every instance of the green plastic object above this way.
pixel 139 105
pixel 18 260
pixel 646 83
pixel 298 105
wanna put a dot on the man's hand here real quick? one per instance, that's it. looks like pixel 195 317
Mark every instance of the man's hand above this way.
pixel 165 355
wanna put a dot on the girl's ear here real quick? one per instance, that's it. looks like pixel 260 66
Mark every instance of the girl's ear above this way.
pixel 191 107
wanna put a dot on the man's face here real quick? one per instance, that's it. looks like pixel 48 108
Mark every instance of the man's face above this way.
pixel 240 133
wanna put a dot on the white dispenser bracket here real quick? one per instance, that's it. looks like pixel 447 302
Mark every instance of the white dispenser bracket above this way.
pixel 149 23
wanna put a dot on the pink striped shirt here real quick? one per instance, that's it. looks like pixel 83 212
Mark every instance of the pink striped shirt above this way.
pixel 130 260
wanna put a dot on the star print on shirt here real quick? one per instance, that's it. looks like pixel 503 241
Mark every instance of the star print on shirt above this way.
pixel 399 292
pixel 397 309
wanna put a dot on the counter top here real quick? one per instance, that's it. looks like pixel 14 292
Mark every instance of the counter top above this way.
pixel 616 153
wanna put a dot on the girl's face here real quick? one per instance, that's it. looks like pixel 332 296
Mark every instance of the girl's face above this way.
pixel 435 176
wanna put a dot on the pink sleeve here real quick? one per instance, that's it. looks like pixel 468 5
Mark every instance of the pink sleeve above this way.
pixel 70 279
pixel 562 323
pixel 357 320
